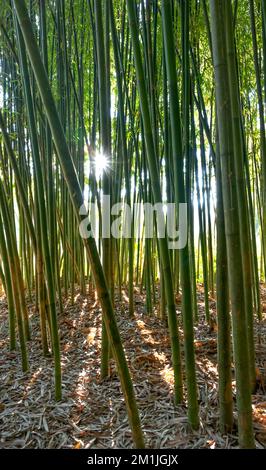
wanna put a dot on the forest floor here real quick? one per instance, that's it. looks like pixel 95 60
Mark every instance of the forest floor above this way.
pixel 92 412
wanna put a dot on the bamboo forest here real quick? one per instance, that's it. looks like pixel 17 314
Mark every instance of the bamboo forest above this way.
pixel 132 224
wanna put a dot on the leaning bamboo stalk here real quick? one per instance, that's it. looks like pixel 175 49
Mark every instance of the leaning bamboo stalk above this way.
pixel 75 192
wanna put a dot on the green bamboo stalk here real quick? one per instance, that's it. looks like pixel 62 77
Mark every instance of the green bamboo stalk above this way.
pixel 7 281
pixel 244 221
pixel 157 197
pixel 223 317
pixel 14 268
pixel 236 283
pixel 41 215
pixel 179 198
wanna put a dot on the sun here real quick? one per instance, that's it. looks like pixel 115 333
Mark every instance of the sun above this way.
pixel 101 163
